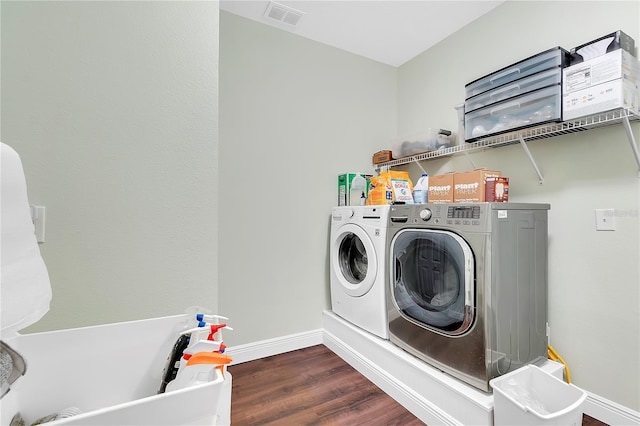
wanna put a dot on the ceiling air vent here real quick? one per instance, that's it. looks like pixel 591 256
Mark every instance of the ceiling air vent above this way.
pixel 281 13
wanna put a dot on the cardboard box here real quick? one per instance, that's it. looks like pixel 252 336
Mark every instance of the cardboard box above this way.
pixel 344 188
pixel 469 187
pixel 441 189
pixel 382 157
pixel 497 190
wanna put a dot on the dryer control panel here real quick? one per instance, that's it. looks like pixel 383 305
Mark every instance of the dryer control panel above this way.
pixel 465 216
pixel 471 217
pixel 463 212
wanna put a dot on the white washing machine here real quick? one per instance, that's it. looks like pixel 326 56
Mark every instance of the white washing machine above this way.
pixel 358 266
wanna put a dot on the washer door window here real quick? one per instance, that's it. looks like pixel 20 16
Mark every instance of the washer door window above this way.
pixel 433 280
pixel 354 260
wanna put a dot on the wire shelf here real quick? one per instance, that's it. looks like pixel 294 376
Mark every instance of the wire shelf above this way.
pixel 523 135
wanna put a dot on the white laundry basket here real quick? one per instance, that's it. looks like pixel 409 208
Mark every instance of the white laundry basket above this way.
pixel 530 396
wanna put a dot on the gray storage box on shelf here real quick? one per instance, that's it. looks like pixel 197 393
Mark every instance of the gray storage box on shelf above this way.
pixel 552 58
pixel 540 106
pixel 519 87
pixel 524 94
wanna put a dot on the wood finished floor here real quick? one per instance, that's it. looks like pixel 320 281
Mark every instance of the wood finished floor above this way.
pixel 314 386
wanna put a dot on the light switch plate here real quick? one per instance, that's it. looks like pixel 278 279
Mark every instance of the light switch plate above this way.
pixel 605 220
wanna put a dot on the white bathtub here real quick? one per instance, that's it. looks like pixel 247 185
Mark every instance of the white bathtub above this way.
pixel 112 374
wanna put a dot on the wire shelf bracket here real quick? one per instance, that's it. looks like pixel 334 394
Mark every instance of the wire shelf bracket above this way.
pixel 524 146
pixel 632 141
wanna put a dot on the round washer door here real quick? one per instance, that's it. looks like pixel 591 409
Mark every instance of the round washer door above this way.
pixel 354 260
pixel 433 280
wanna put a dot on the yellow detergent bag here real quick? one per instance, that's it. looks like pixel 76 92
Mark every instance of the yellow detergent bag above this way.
pixel 379 191
pixel 390 187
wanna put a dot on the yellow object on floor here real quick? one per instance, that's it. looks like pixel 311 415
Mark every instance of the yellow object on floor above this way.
pixel 554 356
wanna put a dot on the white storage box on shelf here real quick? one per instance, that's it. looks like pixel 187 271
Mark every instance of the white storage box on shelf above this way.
pixel 111 373
pixel 531 396
pixel 603 83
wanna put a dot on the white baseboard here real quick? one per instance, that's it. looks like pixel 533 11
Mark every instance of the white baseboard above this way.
pixel 610 412
pixel 275 346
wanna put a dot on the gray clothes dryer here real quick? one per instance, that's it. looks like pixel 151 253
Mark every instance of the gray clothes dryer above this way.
pixel 468 286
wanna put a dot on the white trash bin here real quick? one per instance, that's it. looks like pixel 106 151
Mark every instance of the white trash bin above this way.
pixel 530 396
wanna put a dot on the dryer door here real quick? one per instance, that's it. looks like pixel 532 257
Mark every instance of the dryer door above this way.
pixel 354 260
pixel 432 276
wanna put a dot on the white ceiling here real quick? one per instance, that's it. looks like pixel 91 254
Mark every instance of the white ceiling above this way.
pixel 387 31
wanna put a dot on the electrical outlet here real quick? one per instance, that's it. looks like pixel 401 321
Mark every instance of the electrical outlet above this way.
pixel 605 220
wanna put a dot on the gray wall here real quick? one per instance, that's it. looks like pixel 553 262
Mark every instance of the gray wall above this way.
pixel 594 294
pixel 293 115
pixel 113 108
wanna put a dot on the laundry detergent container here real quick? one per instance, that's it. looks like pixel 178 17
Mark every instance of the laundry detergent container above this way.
pixel 531 396
pixel 106 375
